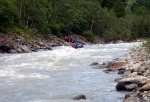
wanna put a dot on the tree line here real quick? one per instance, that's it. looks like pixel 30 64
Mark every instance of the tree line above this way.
pixel 107 19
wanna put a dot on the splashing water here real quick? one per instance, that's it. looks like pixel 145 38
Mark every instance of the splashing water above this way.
pixel 61 74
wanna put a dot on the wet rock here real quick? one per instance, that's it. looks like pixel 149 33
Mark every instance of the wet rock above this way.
pixel 4 48
pixel 104 65
pixel 121 71
pixel 107 70
pixel 120 87
pixel 94 64
pixel 48 48
pixel 117 64
pixel 131 87
pixel 79 97
pixel 117 79
pixel 12 51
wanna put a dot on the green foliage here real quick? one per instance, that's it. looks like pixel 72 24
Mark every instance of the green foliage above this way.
pixel 26 32
pixel 140 3
pixel 110 3
pixel 8 14
pixel 141 26
pixel 107 3
pixel 110 35
pixel 119 9
pixel 90 18
pixel 89 35
pixel 141 11
pixel 127 35
pixel 55 28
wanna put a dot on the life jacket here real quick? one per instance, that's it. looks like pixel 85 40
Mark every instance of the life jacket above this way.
pixel 74 45
pixel 69 38
pixel 73 40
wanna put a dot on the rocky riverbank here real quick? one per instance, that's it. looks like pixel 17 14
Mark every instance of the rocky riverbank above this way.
pixel 19 44
pixel 135 75
pixel 134 69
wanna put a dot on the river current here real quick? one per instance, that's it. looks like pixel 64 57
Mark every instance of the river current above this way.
pixel 59 75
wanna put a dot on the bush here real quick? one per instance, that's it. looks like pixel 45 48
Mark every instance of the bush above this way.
pixel 55 28
pixel 110 35
pixel 126 35
pixel 26 33
pixel 89 35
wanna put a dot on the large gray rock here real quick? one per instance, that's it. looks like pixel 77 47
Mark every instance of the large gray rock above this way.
pixel 136 80
pixel 131 87
pixel 24 48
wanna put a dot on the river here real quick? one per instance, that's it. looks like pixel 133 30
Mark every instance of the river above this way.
pixel 59 75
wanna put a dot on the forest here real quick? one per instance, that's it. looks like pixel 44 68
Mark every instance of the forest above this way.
pixel 93 19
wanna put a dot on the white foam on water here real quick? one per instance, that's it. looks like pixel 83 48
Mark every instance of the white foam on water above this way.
pixel 58 72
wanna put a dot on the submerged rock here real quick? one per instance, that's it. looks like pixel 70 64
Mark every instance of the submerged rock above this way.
pixel 94 64
pixel 79 97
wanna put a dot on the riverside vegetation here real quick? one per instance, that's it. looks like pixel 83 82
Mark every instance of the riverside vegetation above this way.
pixel 95 20
pixel 109 20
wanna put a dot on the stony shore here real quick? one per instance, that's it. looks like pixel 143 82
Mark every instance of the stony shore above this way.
pixel 134 69
pixel 19 44
pixel 135 75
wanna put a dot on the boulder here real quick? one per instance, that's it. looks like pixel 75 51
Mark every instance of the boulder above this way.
pixel 136 80
pixel 121 71
pixel 4 48
pixel 94 64
pixel 131 95
pixel 131 87
pixel 24 48
pixel 79 97
pixel 104 65
pixel 117 64
pixel 120 86
pixel 135 66
pixel 49 48
pixel 146 87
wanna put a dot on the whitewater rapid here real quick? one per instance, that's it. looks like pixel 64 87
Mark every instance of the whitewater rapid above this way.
pixel 60 74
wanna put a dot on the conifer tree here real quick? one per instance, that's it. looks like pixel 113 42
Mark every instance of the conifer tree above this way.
pixel 119 9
